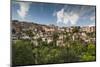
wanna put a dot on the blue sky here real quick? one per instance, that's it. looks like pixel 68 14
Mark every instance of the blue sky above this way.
pixel 57 14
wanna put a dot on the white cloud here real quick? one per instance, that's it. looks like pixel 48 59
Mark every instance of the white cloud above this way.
pixel 60 16
pixel 92 24
pixel 66 20
pixel 92 18
pixel 74 18
pixel 24 8
pixel 67 17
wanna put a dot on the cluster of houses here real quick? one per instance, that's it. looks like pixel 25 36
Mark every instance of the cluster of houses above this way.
pixel 45 32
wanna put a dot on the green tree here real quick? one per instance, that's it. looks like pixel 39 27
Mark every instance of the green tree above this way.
pixel 90 54
pixel 55 37
pixel 76 29
pixel 22 53
pixel 29 33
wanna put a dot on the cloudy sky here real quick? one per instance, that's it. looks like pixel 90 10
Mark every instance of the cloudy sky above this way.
pixel 57 14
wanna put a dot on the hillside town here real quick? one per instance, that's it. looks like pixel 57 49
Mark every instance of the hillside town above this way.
pixel 47 33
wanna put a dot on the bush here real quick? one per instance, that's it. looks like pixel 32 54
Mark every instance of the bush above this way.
pixel 22 53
